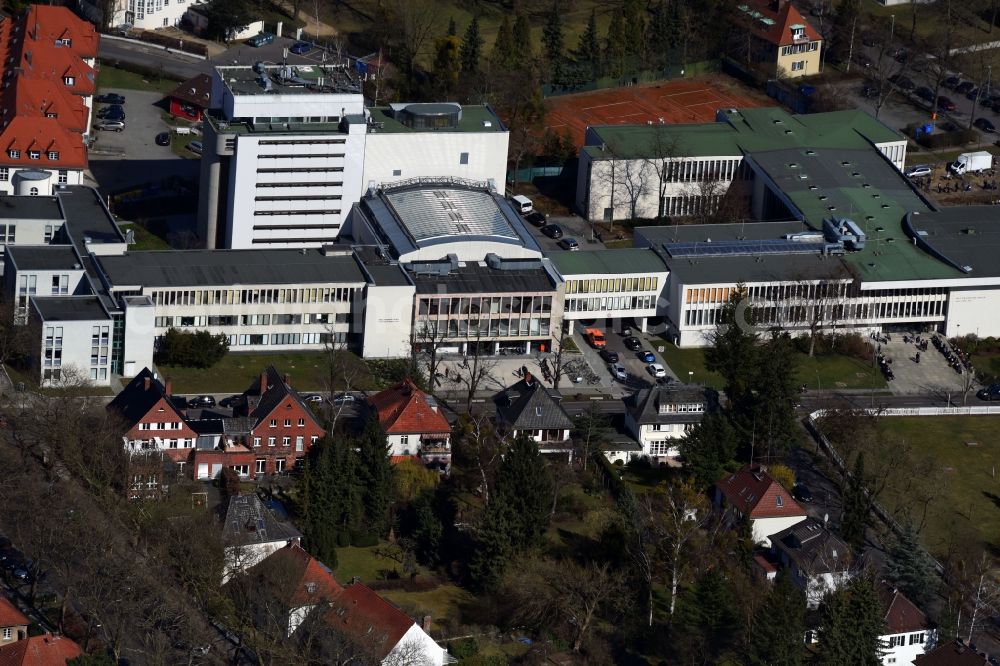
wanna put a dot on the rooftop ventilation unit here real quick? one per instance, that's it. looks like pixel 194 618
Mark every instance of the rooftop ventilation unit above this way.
pixel 844 230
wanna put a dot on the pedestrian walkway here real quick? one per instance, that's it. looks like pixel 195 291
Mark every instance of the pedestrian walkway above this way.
pixel 931 375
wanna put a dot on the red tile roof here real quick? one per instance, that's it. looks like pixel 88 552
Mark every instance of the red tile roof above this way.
pixel 360 611
pixel 10 616
pixel 755 493
pixel 45 650
pixel 779 31
pixel 314 582
pixel 395 460
pixel 955 653
pixel 26 134
pixel 47 23
pixel 404 409
pixel 901 615
pixel 43 99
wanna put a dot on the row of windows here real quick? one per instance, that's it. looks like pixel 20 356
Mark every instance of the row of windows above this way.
pixel 285 441
pixel 800 48
pixel 293 225
pixel 689 204
pixel 688 170
pixel 275 339
pixel 334 211
pixel 168 425
pixel 300 142
pixel 332 169
pixel 598 304
pixel 334 183
pixel 853 310
pixel 661 447
pixel 306 197
pixel 252 296
pixel 492 305
pixel 14 154
pixel 494 328
pixel 279 156
pixel 612 285
pixel 253 320
pixel 265 120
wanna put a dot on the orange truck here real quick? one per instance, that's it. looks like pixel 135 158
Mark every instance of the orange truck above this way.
pixel 595 337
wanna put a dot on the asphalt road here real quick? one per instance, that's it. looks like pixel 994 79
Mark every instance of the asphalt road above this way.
pixel 152 56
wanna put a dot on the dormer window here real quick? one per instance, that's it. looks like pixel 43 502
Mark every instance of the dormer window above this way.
pixel 14 154
pixel 34 155
pixel 53 155
pixel 49 114
pixel 69 80
pixel 778 502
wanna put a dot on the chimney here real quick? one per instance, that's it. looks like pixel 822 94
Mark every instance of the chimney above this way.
pixel 425 623
pixel 528 379
pixel 288 380
pixel 168 388
pixel 146 383
pixel 263 383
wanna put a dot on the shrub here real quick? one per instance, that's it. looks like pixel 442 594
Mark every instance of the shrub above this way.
pixel 364 539
pixel 343 539
pixel 200 349
pixel 464 649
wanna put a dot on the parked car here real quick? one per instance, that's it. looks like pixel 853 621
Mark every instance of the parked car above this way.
pixel 656 370
pixel 964 87
pixel 951 82
pixel 945 104
pixel 230 401
pixel 535 218
pixel 344 399
pixel 917 171
pixel 901 55
pixel 552 231
pixel 201 401
pixel 113 112
pixel 802 493
pixel 260 39
pixel 163 139
pixel 195 147
pixel 901 82
pixel 632 344
pixel 647 356
pixel 301 48
pixel 975 94
pixel 626 331
pixel 109 125
pixel 924 93
pixel 312 397
pixel 991 392
pixel 609 355
pixel 110 98
pixel 985 125
pixel 618 371
pixel 569 244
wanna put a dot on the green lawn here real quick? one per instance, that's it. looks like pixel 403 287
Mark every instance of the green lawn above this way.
pixel 144 238
pixel 444 601
pixel 366 564
pixel 179 145
pixel 823 372
pixel 237 370
pixel 966 490
pixel 109 76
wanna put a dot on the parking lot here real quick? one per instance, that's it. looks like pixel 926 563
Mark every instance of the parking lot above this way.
pixel 572 227
pixel 638 375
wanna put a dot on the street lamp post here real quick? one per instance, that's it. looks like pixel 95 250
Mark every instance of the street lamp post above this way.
pixel 690 376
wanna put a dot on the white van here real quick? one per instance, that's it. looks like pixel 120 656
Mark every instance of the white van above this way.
pixel 522 203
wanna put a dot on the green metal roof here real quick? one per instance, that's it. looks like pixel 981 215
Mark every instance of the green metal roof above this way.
pixel 625 261
pixel 744 131
pixel 474 119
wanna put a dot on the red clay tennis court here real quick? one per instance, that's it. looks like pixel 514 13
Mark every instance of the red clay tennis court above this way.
pixel 681 101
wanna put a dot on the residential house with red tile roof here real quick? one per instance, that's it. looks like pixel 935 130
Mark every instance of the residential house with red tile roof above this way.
pixel 955 653
pixel 779 42
pixel 414 424
pixel 752 492
pixel 49 81
pixel 909 633
pixel 13 623
pixel 44 650
pixel 282 426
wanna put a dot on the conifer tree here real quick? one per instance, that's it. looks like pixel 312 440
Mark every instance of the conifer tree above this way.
pixel 855 518
pixel 614 48
pixel 504 54
pixel 709 449
pixel 588 53
pixel 375 475
pixel 777 641
pixel 472 48
pixel 552 42
pixel 910 568
pixel 851 621
pixel 522 38
pixel 524 483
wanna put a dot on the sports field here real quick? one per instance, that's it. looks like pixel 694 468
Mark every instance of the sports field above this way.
pixel 673 102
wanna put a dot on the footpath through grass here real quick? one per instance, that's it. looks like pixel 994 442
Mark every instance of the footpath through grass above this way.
pixel 965 487
pixel 828 372
pixel 237 370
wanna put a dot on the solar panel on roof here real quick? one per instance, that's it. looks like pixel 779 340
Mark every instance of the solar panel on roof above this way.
pixel 741 247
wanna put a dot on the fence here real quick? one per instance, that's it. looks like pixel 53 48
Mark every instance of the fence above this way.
pixel 530 173
pixel 631 79
pixel 838 460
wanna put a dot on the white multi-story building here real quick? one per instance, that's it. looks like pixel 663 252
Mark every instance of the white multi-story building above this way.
pixel 652 171
pixel 138 14
pixel 659 417
pixel 289 150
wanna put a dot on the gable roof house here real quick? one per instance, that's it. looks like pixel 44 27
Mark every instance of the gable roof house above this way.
pixel 658 417
pixel 819 562
pixel 414 424
pixel 752 492
pixel 190 98
pixel 530 409
pixel 284 426
pixel 13 623
pixel 782 42
pixel 251 532
pixel 909 633
pixel 955 653
pixel 44 650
